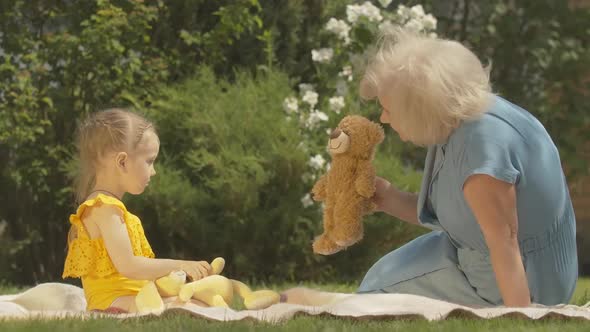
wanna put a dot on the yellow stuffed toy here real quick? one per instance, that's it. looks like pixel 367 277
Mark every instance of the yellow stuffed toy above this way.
pixel 349 185
pixel 214 290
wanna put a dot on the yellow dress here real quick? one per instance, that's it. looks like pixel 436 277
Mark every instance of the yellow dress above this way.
pixel 88 258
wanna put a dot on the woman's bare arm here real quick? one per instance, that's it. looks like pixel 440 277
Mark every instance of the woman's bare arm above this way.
pixel 493 203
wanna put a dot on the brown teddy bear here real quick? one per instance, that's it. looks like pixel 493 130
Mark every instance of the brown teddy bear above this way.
pixel 349 185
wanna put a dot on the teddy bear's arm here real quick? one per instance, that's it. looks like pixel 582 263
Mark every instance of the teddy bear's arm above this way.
pixel 319 189
pixel 365 181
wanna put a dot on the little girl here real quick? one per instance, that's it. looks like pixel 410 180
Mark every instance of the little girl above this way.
pixel 108 249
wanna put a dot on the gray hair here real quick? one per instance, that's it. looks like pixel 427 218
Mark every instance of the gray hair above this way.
pixel 432 84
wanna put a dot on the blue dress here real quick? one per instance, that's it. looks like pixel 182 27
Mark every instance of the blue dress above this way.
pixel 452 262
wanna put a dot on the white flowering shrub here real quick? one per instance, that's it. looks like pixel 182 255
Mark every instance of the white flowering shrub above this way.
pixel 319 105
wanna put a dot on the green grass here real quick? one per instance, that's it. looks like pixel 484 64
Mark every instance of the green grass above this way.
pixel 582 293
pixel 182 322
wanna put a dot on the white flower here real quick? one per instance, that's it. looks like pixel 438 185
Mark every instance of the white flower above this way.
pixel 371 12
pixel 61 63
pixel 322 55
pixel 417 11
pixel 290 105
pixel 306 201
pixel 310 97
pixel 352 13
pixel 317 162
pixel 429 22
pixel 320 115
pixel 346 72
pixel 47 66
pixel 432 35
pixel 403 12
pixel 367 9
pixel 384 3
pixel 304 87
pixel 315 117
pixel 340 28
pixel 53 84
pixel 414 25
pixel 337 104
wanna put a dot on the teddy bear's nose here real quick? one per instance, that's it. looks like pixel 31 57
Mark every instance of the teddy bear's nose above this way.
pixel 335 133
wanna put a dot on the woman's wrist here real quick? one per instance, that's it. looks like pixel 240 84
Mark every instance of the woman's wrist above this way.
pixel 402 205
pixel 391 198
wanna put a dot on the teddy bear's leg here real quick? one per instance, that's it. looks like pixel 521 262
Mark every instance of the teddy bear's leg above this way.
pixel 148 299
pixel 216 283
pixel 323 245
pixel 211 298
pixel 217 265
pixel 255 300
pixel 350 226
pixel 328 219
pixel 170 285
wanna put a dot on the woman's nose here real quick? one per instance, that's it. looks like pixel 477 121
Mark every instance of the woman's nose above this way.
pixel 335 133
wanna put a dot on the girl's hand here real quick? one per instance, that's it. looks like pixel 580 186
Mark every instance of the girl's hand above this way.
pixel 196 270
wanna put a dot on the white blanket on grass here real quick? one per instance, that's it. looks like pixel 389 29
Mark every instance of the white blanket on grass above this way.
pixel 55 300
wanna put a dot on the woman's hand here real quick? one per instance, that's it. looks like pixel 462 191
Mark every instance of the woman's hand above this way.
pixel 396 203
pixel 196 270
pixel 382 196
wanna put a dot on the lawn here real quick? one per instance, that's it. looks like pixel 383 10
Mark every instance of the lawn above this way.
pixel 176 322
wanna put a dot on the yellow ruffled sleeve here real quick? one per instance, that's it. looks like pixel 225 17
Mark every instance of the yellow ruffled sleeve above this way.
pixel 139 243
pixel 89 257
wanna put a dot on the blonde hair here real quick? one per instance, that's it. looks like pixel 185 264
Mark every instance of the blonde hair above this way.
pixel 105 131
pixel 432 84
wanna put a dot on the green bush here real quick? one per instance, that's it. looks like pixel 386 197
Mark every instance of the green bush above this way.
pixel 60 60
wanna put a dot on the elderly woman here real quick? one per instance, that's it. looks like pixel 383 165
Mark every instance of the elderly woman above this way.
pixel 493 190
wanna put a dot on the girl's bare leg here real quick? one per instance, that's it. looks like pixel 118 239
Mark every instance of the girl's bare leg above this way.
pixel 126 303
pixel 310 297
